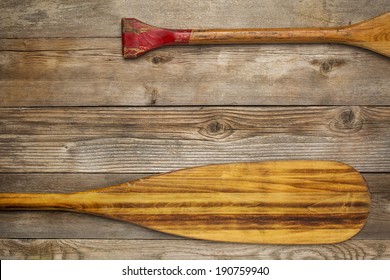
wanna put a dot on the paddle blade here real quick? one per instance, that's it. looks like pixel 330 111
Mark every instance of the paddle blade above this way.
pixel 281 202
pixel 373 34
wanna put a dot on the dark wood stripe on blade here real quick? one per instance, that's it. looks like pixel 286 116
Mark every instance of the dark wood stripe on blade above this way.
pixel 247 222
pixel 205 205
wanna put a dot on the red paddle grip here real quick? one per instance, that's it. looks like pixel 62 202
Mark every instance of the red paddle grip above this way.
pixel 139 38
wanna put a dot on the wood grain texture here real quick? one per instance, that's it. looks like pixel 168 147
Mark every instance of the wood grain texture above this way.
pixel 92 72
pixel 44 18
pixel 274 202
pixel 68 54
pixel 186 249
pixel 371 34
pixel 144 140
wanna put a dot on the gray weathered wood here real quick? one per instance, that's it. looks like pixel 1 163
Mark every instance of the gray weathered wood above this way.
pixel 131 140
pixel 34 224
pixel 378 223
pixel 92 72
pixel 75 182
pixel 185 249
pixel 69 54
pixel 378 182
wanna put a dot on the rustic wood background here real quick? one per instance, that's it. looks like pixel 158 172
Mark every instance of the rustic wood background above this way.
pixel 74 115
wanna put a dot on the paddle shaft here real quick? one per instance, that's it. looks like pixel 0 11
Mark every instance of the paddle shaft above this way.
pixel 36 201
pixel 81 201
pixel 268 35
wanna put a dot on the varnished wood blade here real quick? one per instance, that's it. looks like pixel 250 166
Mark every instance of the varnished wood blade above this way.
pixel 279 202
pixel 373 34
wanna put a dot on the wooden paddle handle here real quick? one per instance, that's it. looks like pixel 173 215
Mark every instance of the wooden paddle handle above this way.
pixel 31 201
pixel 139 38
pixel 267 35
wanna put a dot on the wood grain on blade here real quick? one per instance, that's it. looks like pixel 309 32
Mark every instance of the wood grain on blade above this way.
pixel 281 202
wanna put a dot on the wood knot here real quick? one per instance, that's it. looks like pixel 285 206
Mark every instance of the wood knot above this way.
pixel 160 59
pixel 152 94
pixel 326 66
pixel 347 120
pixel 217 129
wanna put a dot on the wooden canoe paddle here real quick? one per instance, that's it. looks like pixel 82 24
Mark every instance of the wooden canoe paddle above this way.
pixel 273 202
pixel 139 38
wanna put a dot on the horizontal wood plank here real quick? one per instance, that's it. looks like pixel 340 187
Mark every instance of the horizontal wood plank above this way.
pixel 92 72
pixel 186 249
pixel 142 140
pixel 62 53
pixel 75 182
pixel 45 224
pixel 44 18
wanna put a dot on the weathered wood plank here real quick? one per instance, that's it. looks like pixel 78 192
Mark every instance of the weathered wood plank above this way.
pixel 44 224
pixel 92 72
pixel 186 249
pixel 43 18
pixel 75 182
pixel 131 140
pixel 378 182
pixel 378 223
